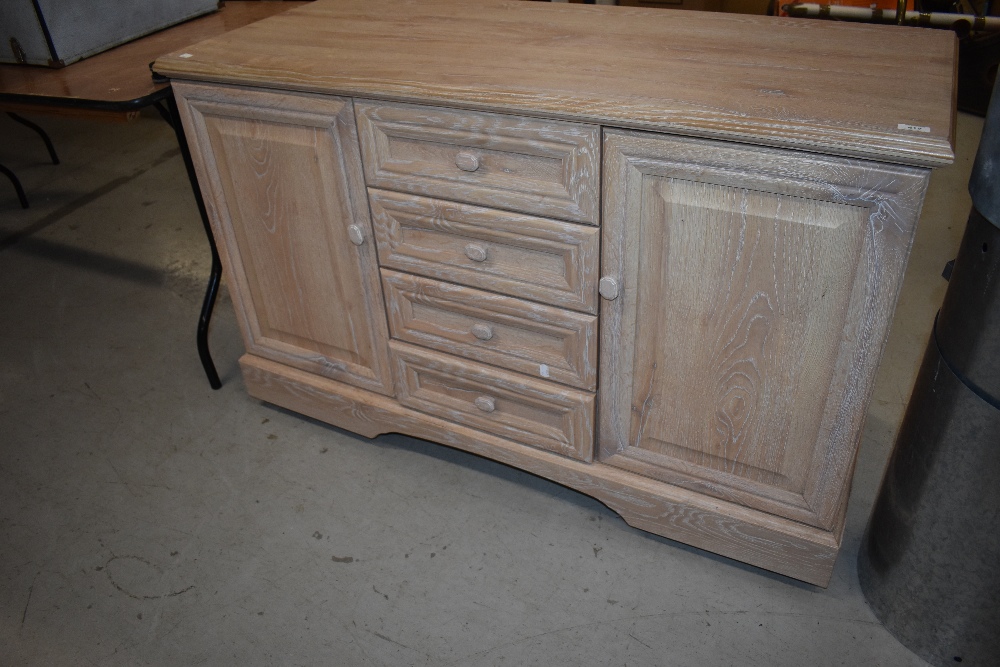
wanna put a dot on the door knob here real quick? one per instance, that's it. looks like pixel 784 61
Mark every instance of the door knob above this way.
pixel 356 235
pixel 608 287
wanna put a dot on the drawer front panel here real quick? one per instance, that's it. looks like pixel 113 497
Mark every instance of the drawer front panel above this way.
pixel 540 341
pixel 533 412
pixel 548 168
pixel 518 255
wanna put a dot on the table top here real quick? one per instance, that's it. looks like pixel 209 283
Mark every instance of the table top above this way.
pixel 119 79
pixel 876 91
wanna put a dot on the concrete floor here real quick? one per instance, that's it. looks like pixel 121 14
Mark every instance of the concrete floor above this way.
pixel 149 520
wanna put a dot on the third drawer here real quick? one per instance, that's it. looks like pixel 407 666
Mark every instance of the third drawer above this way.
pixel 537 340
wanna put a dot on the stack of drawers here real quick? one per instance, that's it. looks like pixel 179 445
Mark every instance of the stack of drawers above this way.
pixel 492 308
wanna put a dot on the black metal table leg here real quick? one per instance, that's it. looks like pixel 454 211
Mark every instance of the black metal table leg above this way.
pixel 40 132
pixel 215 276
pixel 17 185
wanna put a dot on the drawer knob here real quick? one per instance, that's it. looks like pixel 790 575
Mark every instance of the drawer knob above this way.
pixel 482 331
pixel 466 161
pixel 476 253
pixel 486 404
pixel 608 287
pixel 356 235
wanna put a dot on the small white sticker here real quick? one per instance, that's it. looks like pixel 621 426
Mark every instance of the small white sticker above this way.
pixel 913 128
pixel 188 55
pixel 543 370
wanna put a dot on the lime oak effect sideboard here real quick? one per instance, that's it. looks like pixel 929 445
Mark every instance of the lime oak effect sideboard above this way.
pixel 650 255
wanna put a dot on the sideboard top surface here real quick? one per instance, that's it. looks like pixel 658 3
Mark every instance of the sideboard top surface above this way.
pixel 874 91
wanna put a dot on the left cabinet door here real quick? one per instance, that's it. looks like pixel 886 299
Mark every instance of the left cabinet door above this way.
pixel 282 181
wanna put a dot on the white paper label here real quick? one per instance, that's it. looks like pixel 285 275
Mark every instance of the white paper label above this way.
pixel 543 370
pixel 913 128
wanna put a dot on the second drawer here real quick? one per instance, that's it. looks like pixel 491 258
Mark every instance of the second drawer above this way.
pixel 519 255
pixel 540 341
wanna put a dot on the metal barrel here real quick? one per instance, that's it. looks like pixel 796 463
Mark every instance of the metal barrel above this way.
pixel 929 563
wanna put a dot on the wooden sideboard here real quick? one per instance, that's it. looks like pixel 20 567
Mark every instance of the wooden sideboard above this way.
pixel 650 255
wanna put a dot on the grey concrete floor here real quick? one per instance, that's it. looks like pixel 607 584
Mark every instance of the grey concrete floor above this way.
pixel 149 520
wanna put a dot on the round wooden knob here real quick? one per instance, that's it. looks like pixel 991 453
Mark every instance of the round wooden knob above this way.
pixel 486 404
pixel 356 235
pixel 466 161
pixel 608 287
pixel 476 253
pixel 482 331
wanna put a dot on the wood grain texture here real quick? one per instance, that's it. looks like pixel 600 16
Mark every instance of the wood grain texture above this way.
pixel 522 256
pixel 747 535
pixel 757 287
pixel 509 405
pixel 537 340
pixel 547 168
pixel 281 176
pixel 828 87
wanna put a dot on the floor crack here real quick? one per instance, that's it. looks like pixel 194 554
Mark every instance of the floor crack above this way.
pixel 27 602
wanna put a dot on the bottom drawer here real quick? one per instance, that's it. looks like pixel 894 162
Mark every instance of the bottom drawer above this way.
pixel 513 406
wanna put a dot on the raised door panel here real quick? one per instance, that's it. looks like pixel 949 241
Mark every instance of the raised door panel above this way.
pixel 755 289
pixel 283 185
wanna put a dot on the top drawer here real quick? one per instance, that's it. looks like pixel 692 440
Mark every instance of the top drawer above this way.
pixel 548 168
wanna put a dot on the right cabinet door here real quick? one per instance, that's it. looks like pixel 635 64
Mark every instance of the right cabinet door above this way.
pixel 747 297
